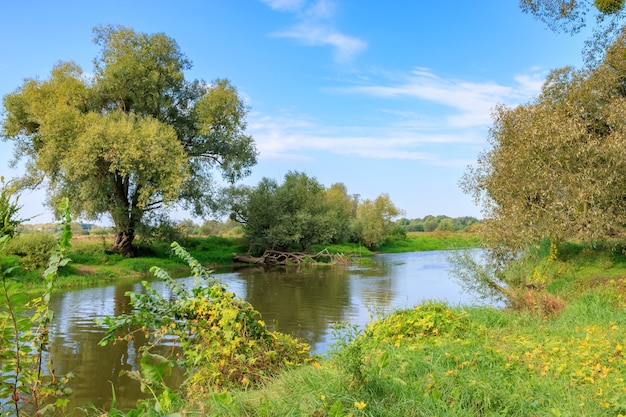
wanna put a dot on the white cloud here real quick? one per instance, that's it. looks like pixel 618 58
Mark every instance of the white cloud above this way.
pixel 314 27
pixel 289 138
pixel 321 9
pixel 346 48
pixel 458 128
pixel 472 101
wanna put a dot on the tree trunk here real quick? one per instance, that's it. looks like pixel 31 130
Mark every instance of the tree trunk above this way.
pixel 124 243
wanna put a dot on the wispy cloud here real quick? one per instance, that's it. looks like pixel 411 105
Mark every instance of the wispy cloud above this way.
pixel 470 102
pixel 285 5
pixel 314 27
pixel 297 139
pixel 460 124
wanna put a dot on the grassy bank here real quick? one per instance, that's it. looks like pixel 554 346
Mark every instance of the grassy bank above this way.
pixel 425 241
pixel 93 264
pixel 414 242
pixel 471 362
pixel 435 360
pixel 560 352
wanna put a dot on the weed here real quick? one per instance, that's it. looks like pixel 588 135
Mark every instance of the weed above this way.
pixel 223 340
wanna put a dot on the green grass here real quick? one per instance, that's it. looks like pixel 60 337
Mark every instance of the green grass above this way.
pixel 93 264
pixel 436 360
pixel 348 249
pixel 215 250
pixel 418 241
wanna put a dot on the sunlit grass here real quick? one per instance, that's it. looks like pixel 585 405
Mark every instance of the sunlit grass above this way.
pixel 439 360
pixel 422 241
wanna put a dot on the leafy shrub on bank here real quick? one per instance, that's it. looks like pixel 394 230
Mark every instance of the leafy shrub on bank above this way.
pixel 34 249
pixel 224 342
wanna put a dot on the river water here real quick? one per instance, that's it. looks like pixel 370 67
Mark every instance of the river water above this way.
pixel 305 303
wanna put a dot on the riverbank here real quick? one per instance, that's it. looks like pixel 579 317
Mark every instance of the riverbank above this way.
pixel 92 264
pixel 559 352
pixel 439 360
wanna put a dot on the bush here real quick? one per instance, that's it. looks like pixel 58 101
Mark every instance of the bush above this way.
pixel 34 249
pixel 224 343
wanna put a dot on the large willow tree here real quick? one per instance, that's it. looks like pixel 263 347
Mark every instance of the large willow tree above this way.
pixel 557 166
pixel 133 137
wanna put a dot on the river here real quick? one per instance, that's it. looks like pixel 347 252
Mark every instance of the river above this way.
pixel 305 303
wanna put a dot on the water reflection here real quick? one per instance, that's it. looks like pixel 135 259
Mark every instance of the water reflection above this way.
pixel 300 302
pixel 74 346
pixel 303 302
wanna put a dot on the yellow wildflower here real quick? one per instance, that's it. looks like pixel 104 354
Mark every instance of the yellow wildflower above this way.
pixel 360 405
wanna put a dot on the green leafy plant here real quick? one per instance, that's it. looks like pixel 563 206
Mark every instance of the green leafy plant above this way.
pixel 9 208
pixel 425 321
pixel 223 341
pixel 25 338
pixel 34 249
pixel 348 352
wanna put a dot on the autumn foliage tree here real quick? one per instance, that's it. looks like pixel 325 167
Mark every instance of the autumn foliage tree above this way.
pixel 556 167
pixel 374 220
pixel 132 138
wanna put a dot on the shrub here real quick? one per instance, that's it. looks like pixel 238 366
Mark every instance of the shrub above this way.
pixel 540 303
pixel 34 249
pixel 224 342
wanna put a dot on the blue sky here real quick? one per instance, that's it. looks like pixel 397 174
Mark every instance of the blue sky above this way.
pixel 385 97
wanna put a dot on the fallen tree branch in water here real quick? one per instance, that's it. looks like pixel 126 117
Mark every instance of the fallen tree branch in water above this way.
pixel 274 257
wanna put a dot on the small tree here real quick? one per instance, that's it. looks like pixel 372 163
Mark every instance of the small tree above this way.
pixel 298 212
pixel 341 211
pixel 293 213
pixel 374 220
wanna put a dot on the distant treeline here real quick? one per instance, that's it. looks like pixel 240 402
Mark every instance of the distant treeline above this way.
pixel 188 227
pixel 439 223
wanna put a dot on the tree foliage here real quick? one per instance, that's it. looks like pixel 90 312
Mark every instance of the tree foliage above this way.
pixel 439 223
pixel 133 138
pixel 557 165
pixel 571 16
pixel 9 208
pixel 301 212
pixel 374 220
